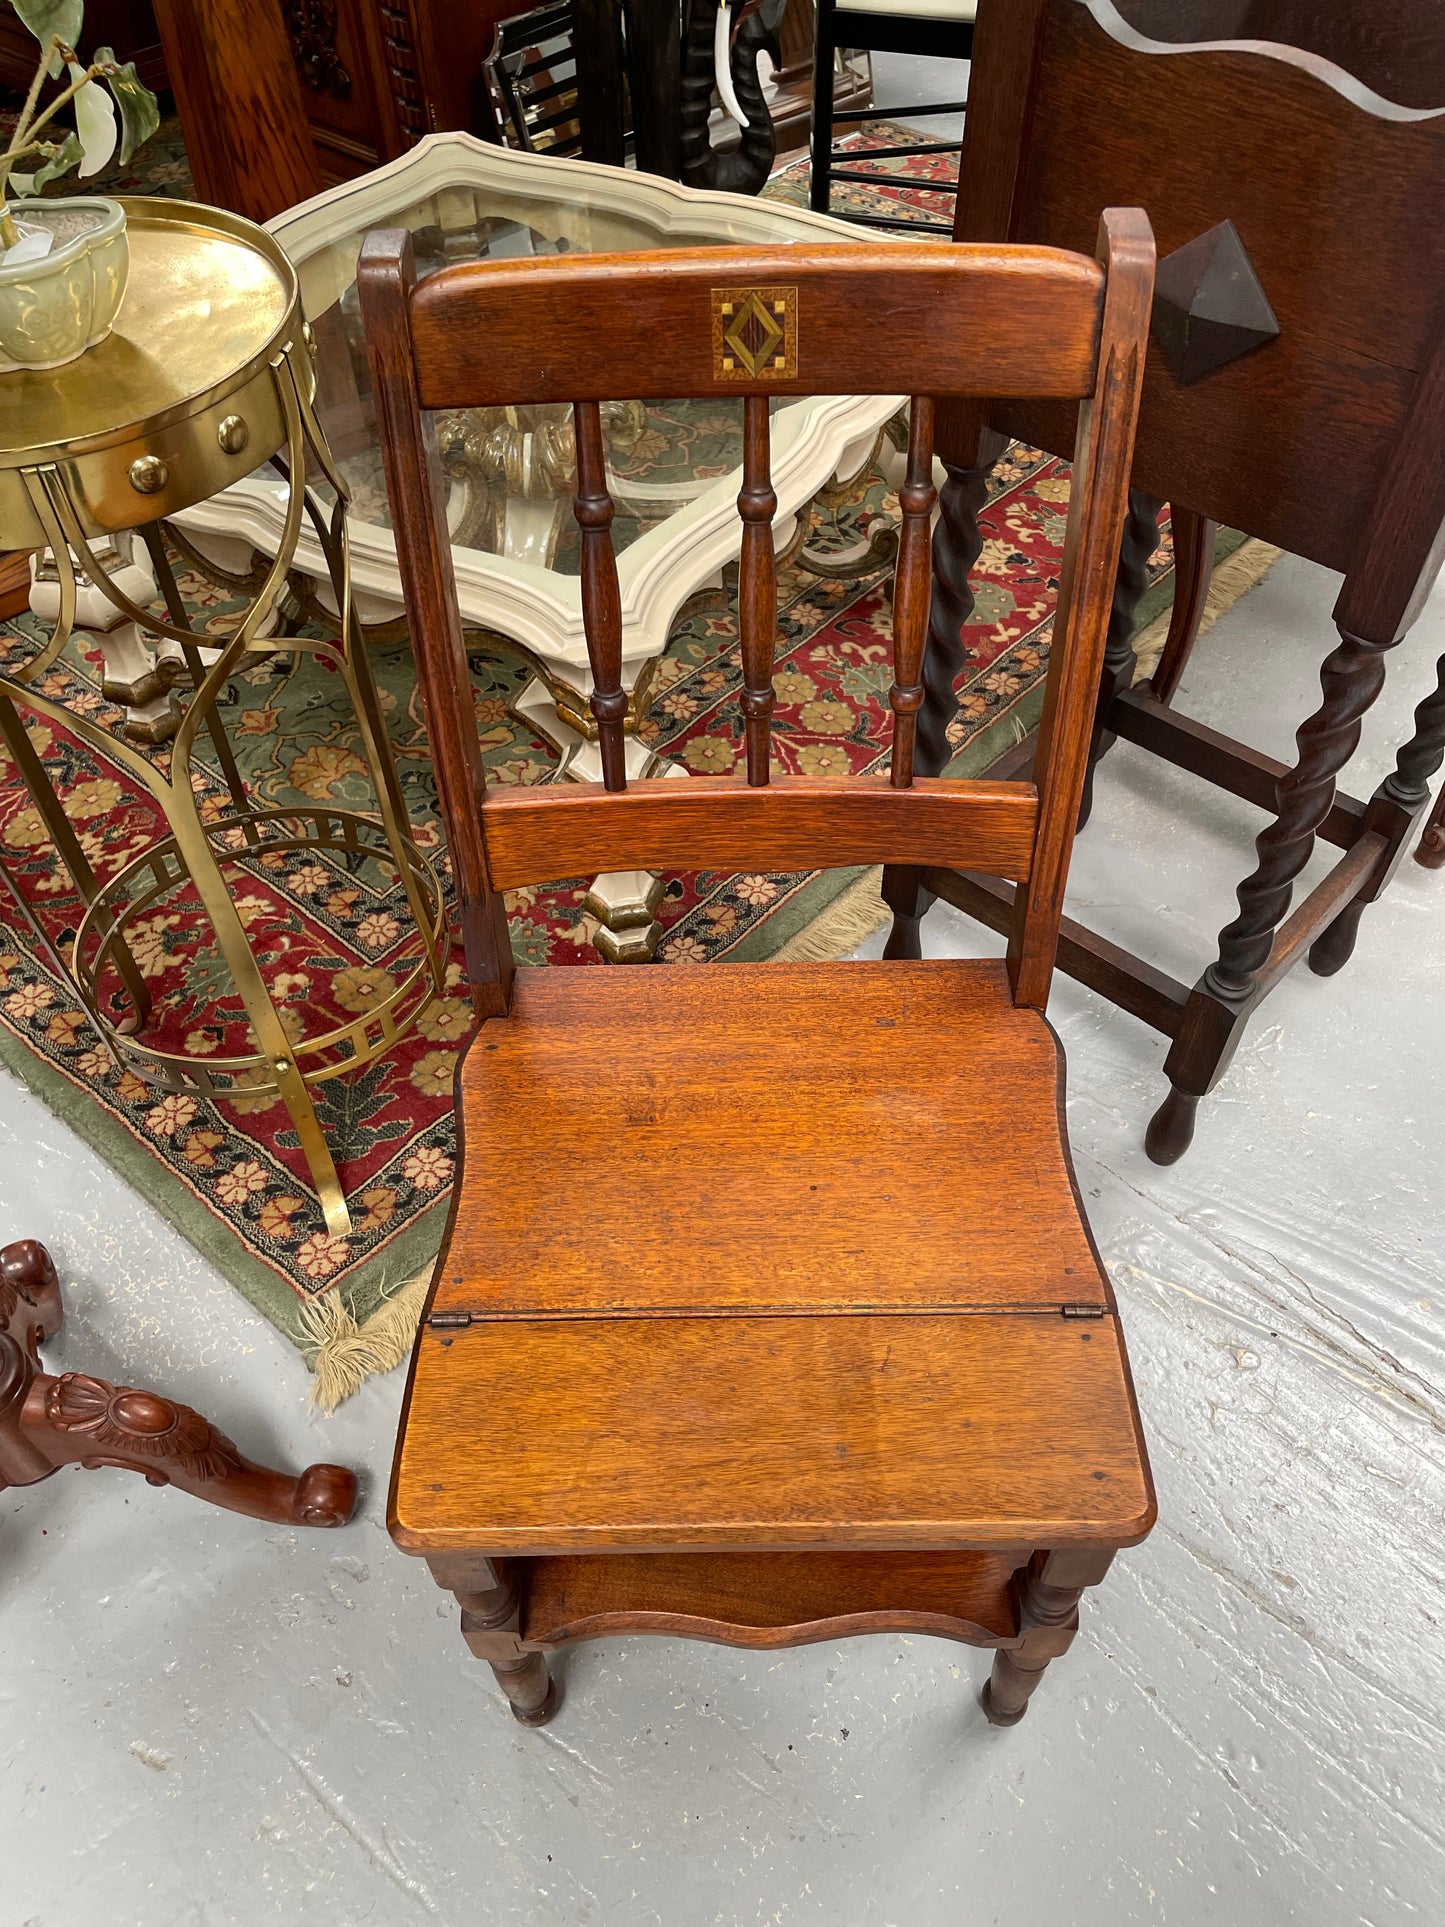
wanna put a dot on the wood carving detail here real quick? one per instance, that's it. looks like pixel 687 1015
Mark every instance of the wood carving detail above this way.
pixel 47 1422
pixel 120 1420
pixel 403 69
pixel 312 27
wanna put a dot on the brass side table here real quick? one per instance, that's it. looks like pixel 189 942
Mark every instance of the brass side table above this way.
pixel 209 372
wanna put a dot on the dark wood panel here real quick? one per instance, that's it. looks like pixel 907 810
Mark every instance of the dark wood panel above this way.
pixel 239 100
pixel 1318 213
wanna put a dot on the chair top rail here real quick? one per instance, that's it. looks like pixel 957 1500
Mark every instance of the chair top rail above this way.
pixel 816 319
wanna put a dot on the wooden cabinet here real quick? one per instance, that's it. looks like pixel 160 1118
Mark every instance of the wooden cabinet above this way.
pixel 376 75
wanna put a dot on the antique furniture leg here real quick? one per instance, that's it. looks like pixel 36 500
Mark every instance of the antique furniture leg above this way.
pixel 491 1617
pixel 1250 957
pixel 1194 537
pixel 1392 812
pixel 48 1422
pixel 1417 762
pixel 1049 1594
pixel 957 541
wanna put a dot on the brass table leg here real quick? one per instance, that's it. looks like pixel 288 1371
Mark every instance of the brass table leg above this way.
pixel 193 850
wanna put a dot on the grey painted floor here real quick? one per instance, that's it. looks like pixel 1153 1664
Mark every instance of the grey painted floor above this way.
pixel 206 1721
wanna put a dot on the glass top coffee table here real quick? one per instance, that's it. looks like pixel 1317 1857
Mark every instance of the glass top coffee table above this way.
pixel 673 464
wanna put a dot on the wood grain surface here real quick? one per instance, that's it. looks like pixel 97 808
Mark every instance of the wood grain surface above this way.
pixel 807 1137
pixel 1000 321
pixel 886 1431
pixel 720 823
pixel 768 1599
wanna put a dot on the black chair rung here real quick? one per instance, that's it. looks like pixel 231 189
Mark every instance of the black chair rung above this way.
pixel 894 113
pixel 895 153
pixel 897 180
pixel 905 227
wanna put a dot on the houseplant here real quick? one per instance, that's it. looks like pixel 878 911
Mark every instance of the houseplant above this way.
pixel 63 262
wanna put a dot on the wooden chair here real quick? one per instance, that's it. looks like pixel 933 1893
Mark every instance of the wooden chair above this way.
pixel 932 29
pixel 1309 411
pixel 767 1312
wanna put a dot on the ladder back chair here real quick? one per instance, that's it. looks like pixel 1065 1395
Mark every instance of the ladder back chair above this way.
pixel 767 1312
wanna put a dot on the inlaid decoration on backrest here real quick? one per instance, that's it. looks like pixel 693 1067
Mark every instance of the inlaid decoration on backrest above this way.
pixel 754 333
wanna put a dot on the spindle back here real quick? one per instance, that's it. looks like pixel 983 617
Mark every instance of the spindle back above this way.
pixel 946 320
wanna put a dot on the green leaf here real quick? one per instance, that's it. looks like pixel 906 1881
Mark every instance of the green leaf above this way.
pixel 59 161
pixel 140 115
pixel 94 122
pixel 45 18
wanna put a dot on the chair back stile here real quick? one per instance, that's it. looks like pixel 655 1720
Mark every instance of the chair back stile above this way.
pixel 963 321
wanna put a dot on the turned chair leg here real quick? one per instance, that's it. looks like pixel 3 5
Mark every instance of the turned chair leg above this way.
pixel 487 1592
pixel 1049 1595
pixel 48 1422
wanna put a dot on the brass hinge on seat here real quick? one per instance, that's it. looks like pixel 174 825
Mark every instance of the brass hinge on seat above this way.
pixel 449 1320
pixel 1083 1311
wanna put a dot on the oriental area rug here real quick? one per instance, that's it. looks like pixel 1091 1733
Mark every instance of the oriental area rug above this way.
pixel 230 1175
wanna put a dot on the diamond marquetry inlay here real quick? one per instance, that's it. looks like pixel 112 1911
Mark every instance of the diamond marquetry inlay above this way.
pixel 754 333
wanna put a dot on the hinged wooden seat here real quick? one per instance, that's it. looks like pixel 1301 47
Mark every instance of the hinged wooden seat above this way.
pixel 842 1240
pixel 767 1311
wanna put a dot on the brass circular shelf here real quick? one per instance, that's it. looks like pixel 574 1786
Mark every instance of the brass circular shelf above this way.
pixel 331 1053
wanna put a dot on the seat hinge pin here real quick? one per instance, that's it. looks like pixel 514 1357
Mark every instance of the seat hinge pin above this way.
pixel 450 1320
pixel 1083 1311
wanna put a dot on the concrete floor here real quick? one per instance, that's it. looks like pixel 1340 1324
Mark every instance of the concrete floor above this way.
pixel 210 1722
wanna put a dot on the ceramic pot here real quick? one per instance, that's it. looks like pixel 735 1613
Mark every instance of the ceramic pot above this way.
pixel 54 308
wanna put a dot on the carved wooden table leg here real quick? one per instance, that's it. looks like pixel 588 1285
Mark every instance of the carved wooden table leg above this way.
pixel 1048 1619
pixel 1393 812
pixel 957 542
pixel 48 1422
pixel 491 1617
pixel 1220 1004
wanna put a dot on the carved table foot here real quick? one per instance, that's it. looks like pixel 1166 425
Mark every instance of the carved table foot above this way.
pixel 47 1422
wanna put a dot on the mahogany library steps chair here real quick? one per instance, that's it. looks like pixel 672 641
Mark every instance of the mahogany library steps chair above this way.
pixel 767 1312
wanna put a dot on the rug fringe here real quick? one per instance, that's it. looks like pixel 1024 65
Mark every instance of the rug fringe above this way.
pixel 1248 566
pixel 839 930
pixel 345 1354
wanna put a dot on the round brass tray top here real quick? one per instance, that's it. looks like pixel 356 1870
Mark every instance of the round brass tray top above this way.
pixel 144 424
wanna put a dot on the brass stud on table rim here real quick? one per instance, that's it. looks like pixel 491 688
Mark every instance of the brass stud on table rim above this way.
pixel 233 434
pixel 148 474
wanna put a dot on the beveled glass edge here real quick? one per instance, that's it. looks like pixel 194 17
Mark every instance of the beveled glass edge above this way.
pixel 1107 17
